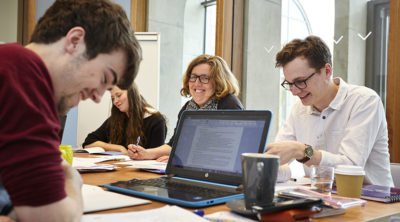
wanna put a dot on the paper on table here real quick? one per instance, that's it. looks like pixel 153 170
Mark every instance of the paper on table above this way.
pixel 82 161
pixel 95 199
pixel 166 213
pixel 116 157
pixel 227 216
pixel 89 165
pixel 96 168
pixel 145 164
pixel 97 150
pixel 90 150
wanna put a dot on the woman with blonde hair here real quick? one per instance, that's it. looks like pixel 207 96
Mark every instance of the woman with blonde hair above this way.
pixel 132 120
pixel 211 85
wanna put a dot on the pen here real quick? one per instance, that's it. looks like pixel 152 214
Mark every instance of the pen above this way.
pixel 199 212
pixel 137 141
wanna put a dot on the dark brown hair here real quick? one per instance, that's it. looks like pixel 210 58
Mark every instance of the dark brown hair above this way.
pixel 121 126
pixel 106 26
pixel 220 75
pixel 312 48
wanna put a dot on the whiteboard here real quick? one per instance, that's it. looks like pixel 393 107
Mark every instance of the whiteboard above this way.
pixel 91 115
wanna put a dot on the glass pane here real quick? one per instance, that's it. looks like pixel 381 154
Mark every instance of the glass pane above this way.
pixel 301 18
pixel 211 19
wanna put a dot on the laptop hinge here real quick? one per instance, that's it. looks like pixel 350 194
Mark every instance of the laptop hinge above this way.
pixel 170 175
pixel 207 185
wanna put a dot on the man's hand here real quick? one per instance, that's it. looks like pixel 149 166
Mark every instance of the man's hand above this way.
pixel 287 150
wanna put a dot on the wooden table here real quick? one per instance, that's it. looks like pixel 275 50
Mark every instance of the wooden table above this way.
pixel 372 210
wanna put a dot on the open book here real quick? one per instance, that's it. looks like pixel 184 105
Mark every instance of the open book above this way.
pixel 97 150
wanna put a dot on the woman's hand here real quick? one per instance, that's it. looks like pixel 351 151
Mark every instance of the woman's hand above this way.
pixel 163 159
pixel 138 153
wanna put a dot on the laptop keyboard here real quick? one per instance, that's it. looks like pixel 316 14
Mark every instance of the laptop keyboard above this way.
pixel 169 184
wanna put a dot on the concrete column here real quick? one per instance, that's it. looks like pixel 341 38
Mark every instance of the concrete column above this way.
pixel 262 35
pixel 167 18
pixel 349 53
pixel 8 20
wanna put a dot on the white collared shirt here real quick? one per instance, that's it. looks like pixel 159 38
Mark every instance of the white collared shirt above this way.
pixel 351 130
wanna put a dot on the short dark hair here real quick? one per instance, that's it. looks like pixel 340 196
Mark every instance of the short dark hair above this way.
pixel 106 25
pixel 312 48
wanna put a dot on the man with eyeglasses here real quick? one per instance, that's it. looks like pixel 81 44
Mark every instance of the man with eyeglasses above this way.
pixel 334 122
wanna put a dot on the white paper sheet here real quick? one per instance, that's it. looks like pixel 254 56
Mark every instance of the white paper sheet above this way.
pixel 162 214
pixel 96 199
pixel 145 164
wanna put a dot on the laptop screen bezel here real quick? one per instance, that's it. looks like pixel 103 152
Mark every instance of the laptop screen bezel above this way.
pixel 209 176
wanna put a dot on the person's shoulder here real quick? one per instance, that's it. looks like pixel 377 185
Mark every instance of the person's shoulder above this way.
pixel 154 117
pixel 230 101
pixel 361 92
pixel 15 50
pixel 21 60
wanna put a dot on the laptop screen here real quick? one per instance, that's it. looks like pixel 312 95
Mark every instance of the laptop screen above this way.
pixel 210 143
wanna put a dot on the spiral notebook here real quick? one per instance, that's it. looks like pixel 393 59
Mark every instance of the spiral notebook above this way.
pixel 381 193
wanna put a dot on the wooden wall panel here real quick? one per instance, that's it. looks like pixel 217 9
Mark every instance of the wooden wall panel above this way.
pixel 139 15
pixel 26 20
pixel 393 84
pixel 229 34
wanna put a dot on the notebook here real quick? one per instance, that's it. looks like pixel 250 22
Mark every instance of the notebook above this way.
pixel 381 193
pixel 205 158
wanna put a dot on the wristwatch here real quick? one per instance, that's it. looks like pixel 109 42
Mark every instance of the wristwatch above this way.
pixel 308 153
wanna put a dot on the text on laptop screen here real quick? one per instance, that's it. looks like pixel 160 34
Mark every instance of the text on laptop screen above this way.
pixel 216 144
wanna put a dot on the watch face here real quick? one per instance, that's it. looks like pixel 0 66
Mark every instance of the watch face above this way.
pixel 309 151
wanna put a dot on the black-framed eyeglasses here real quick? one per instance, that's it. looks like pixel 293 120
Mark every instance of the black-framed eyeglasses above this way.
pixel 300 84
pixel 203 78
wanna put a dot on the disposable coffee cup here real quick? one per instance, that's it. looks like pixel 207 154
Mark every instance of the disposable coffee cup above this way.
pixel 349 180
pixel 260 172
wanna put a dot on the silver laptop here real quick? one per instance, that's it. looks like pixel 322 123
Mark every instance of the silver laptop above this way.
pixel 204 167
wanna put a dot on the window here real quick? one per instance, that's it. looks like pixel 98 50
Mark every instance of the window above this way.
pixel 301 18
pixel 377 47
pixel 210 18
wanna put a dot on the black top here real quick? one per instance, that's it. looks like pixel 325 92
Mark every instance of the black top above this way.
pixel 228 102
pixel 154 129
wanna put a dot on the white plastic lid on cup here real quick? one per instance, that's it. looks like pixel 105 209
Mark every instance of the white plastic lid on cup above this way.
pixel 349 170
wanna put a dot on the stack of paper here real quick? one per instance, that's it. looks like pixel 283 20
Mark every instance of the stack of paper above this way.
pixel 97 150
pixel 96 168
pixel 145 164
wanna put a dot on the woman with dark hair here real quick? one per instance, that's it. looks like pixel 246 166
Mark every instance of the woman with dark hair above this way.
pixel 132 119
pixel 211 85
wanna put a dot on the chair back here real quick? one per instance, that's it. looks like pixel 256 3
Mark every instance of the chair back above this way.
pixel 395 169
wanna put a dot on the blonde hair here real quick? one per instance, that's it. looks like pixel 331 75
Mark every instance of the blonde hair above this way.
pixel 220 75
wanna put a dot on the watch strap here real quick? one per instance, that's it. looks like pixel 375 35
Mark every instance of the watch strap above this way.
pixel 306 156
